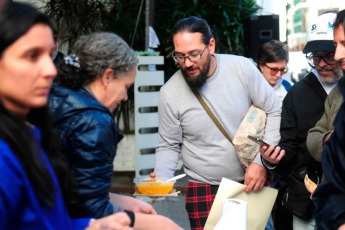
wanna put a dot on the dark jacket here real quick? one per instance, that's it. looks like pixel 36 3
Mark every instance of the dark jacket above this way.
pixel 329 196
pixel 89 137
pixel 302 107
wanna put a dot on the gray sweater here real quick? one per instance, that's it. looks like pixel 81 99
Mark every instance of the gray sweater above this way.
pixel 185 129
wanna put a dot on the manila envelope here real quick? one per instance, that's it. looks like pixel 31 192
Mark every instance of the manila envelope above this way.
pixel 260 204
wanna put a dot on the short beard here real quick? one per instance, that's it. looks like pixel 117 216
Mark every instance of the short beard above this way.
pixel 334 79
pixel 197 82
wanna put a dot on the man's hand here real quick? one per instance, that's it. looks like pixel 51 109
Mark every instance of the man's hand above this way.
pixel 255 177
pixel 272 154
pixel 325 139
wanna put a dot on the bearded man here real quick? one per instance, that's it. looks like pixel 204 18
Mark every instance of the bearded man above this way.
pixel 229 84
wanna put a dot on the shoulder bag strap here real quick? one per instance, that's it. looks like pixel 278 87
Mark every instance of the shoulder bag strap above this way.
pixel 212 116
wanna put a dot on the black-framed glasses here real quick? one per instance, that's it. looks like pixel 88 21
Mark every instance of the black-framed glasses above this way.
pixel 314 59
pixel 275 70
pixel 191 57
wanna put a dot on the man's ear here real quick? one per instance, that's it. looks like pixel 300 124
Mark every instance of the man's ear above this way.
pixel 212 46
pixel 107 75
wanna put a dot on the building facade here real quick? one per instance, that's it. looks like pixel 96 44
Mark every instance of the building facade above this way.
pixel 300 16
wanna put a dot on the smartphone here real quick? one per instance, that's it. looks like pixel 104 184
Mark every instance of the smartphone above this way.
pixel 259 141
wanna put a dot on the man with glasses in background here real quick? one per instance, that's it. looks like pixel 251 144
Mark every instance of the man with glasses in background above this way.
pixel 303 106
pixel 229 84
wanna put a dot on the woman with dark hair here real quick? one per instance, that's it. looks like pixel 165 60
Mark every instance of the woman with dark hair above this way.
pixel 272 60
pixel 31 168
pixel 273 57
pixel 89 86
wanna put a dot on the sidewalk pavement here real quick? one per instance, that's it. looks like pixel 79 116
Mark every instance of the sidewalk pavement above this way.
pixel 171 207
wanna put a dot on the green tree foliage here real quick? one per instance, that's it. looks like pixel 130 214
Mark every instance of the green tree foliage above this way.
pixel 225 17
pixel 74 18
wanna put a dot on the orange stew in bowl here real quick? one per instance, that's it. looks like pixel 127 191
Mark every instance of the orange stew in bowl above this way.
pixel 152 187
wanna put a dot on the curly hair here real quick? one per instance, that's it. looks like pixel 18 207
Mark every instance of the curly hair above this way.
pixel 97 52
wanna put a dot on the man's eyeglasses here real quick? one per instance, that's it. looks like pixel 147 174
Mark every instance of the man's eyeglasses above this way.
pixel 274 71
pixel 314 59
pixel 191 57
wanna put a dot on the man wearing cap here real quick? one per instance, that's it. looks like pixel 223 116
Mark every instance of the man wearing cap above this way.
pixel 302 107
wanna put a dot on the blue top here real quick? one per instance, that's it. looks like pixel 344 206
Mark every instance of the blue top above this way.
pixel 89 136
pixel 19 206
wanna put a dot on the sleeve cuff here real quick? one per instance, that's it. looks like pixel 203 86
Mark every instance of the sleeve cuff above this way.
pixel 267 164
pixel 257 159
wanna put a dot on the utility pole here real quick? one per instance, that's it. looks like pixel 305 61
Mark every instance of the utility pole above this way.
pixel 147 24
pixel 149 17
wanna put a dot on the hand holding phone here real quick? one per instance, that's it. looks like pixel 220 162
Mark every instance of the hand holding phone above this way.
pixel 273 156
pixel 259 141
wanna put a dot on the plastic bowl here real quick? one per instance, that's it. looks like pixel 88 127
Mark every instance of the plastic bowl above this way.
pixel 152 186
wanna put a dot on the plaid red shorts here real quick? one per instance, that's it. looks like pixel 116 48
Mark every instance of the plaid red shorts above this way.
pixel 199 199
